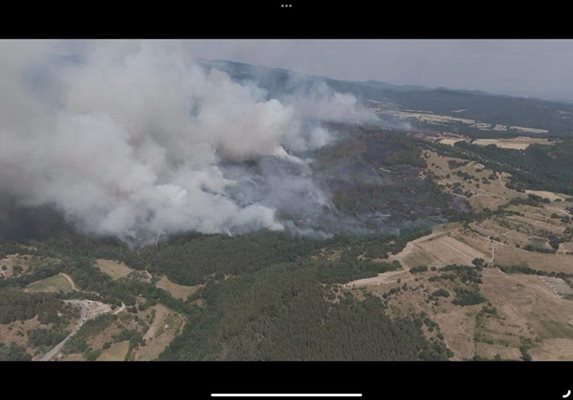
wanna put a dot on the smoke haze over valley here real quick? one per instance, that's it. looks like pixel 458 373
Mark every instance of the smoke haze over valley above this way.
pixel 144 139
pixel 138 139
pixel 196 200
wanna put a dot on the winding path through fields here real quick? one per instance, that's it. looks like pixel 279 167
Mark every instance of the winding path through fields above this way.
pixel 69 279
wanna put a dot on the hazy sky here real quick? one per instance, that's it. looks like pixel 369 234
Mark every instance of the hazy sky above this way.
pixel 541 68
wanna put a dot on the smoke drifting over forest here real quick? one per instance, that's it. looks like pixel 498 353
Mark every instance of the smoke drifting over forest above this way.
pixel 138 139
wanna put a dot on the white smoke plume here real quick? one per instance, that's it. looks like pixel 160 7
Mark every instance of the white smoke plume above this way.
pixel 130 138
pixel 323 103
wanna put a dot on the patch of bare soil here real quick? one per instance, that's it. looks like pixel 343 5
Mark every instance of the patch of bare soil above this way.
pixel 557 349
pixel 380 279
pixel 528 309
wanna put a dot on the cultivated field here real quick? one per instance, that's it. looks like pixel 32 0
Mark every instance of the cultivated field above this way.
pixel 509 255
pixel 176 290
pixel 450 141
pixel 441 119
pixel 441 251
pixel 518 143
pixel 57 283
pixel 113 268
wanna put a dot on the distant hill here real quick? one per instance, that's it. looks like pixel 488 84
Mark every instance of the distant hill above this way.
pixel 499 109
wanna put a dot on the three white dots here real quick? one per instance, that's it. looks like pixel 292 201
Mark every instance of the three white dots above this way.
pixel 286 5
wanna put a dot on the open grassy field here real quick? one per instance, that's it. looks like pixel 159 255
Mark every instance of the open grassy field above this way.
pixel 455 323
pixel 56 283
pixel 534 224
pixel 380 279
pixel 116 352
pixel 176 290
pixel 474 239
pixel 458 326
pixel 515 143
pixel 442 119
pixel 509 255
pixel 532 227
pixel 450 141
pixel 518 143
pixel 557 349
pixel 525 311
pixel 506 248
pixel 113 268
pixel 528 309
pixel 441 251
pixel 490 228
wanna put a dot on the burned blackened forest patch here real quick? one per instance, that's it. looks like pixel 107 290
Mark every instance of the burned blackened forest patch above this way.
pixel 377 176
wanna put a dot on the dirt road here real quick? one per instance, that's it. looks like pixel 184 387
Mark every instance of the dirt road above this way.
pixel 385 277
pixel 70 280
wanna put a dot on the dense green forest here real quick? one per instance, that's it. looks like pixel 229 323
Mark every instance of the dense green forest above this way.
pixel 192 261
pixel 267 296
pixel 198 258
pixel 284 313
pixel 16 305
pixel 13 352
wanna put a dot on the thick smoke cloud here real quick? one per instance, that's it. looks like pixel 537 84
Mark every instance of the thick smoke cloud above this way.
pixel 136 140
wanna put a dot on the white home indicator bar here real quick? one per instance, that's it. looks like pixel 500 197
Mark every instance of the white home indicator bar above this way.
pixel 286 394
